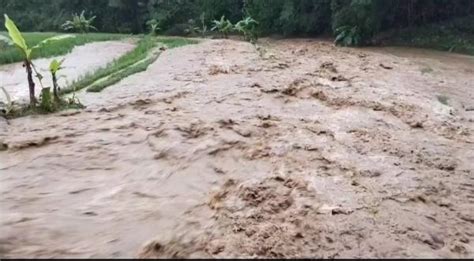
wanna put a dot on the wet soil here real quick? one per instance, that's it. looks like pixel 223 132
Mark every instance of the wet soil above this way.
pixel 291 149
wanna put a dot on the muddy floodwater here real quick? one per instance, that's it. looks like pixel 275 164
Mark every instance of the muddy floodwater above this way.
pixel 221 149
pixel 81 61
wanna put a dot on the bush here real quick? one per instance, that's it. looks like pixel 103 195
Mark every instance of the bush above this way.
pixel 79 23
pixel 248 27
pixel 223 26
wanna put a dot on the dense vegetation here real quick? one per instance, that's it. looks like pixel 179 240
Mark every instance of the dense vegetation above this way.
pixel 361 18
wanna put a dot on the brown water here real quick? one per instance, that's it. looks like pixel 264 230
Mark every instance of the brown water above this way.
pixel 221 150
pixel 79 62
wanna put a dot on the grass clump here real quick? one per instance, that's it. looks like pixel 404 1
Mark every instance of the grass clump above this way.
pixel 23 111
pixel 117 77
pixel 10 54
pixel 174 42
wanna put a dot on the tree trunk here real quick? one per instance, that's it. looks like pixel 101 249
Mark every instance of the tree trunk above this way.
pixel 55 88
pixel 31 83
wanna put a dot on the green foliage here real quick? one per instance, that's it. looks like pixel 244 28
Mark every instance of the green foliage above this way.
pixel 154 26
pixel 348 36
pixel 195 28
pixel 203 30
pixel 46 101
pixel 356 22
pixel 248 27
pixel 291 17
pixel 175 42
pixel 59 46
pixel 456 35
pixel 223 26
pixel 192 28
pixel 117 77
pixel 215 9
pixel 172 15
pixel 79 23
pixel 140 66
pixel 55 66
pixel 18 39
pixel 139 53
pixel 285 17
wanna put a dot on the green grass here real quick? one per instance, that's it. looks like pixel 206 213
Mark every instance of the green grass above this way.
pixel 115 78
pixel 173 42
pixel 139 53
pixel 10 54
pixel 126 65
pixel 456 35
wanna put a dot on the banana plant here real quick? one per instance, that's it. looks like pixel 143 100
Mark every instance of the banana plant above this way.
pixel 154 26
pixel 247 27
pixel 80 23
pixel 54 68
pixel 19 41
pixel 224 26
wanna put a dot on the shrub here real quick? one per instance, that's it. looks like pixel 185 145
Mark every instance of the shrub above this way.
pixel 223 26
pixel 248 27
pixel 154 26
pixel 79 23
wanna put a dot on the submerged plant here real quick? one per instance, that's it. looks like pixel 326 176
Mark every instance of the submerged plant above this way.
pixel 46 102
pixel 50 103
pixel 79 23
pixel 223 26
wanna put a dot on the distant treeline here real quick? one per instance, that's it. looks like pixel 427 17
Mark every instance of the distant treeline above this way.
pixel 285 17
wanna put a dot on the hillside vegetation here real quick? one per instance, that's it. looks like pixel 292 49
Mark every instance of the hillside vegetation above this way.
pixel 355 22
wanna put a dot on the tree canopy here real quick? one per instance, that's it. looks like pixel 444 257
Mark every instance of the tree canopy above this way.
pixel 286 17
